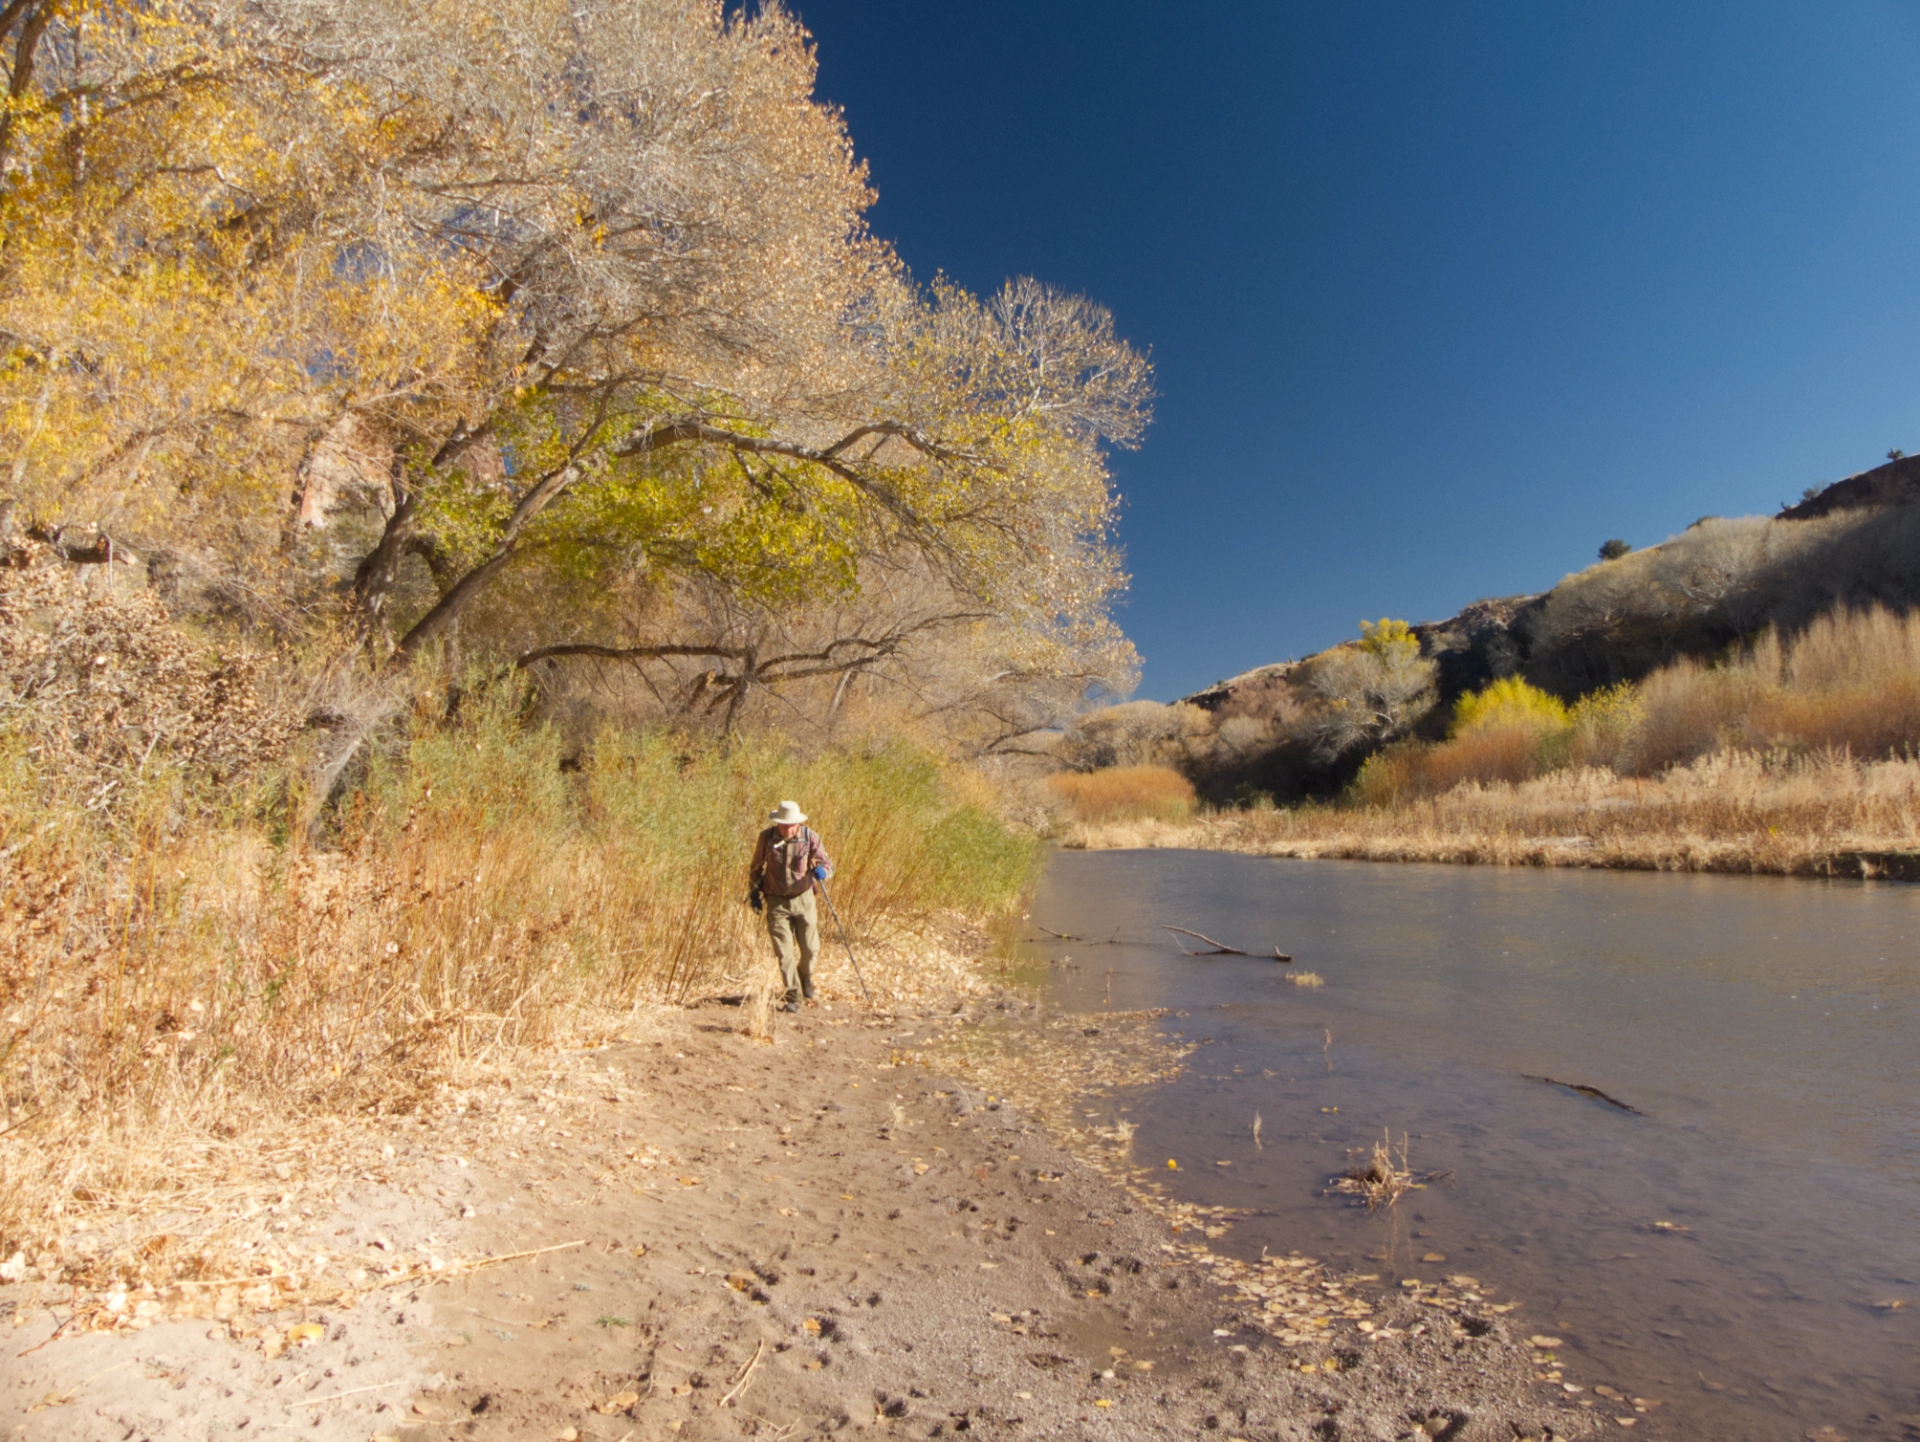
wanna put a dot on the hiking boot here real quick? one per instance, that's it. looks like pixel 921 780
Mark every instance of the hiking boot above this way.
pixel 807 992
pixel 791 1006
pixel 791 1002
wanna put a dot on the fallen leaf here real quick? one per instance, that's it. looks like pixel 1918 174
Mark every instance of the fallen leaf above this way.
pixel 567 1434
pixel 789 1212
pixel 741 1281
pixel 1143 1366
pixel 846 1196
pixel 919 1169
pixel 1546 1344
pixel 1102 1402
pixel 1602 1390
pixel 617 1403
pixel 683 1389
pixel 1892 1306
pixel 1671 1227
pixel 1627 1421
pixel 689 1181
pixel 812 1324
pixel 1434 1257
pixel 305 1332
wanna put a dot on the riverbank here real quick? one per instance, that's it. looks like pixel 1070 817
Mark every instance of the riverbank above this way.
pixel 689 1232
pixel 1733 813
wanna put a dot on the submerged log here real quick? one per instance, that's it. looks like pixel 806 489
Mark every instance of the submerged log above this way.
pixel 1220 948
pixel 1585 1091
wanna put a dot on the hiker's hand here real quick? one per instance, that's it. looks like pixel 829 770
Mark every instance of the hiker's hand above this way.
pixel 753 900
pixel 819 873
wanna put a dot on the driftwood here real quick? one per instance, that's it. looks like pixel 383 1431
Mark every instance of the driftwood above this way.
pixel 1220 948
pixel 1585 1091
pixel 1113 940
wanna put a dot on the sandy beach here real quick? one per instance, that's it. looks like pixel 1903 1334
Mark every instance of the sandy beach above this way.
pixel 704 1235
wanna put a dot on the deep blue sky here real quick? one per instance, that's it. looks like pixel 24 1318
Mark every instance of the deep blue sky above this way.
pixel 1440 296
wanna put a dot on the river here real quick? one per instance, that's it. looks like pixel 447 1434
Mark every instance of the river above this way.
pixel 1735 1251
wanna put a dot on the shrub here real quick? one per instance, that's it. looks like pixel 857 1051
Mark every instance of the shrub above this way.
pixel 1509 704
pixel 1126 792
pixel 1373 690
pixel 1850 682
pixel 1390 777
pixel 1614 549
pixel 1604 724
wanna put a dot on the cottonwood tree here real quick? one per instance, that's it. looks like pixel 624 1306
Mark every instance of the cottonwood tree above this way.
pixel 573 298
pixel 1373 691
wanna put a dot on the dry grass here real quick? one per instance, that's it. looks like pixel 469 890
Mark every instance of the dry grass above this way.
pixel 1850 681
pixel 1510 754
pixel 1738 812
pixel 1381 1179
pixel 1122 792
pixel 1790 756
pixel 198 1003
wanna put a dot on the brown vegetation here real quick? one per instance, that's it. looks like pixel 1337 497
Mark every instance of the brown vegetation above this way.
pixel 1125 793
pixel 1735 811
pixel 197 956
pixel 1794 754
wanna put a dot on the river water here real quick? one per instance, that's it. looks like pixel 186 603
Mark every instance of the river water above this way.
pixel 1730 1251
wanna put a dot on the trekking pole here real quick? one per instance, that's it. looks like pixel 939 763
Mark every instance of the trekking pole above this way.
pixel 847 941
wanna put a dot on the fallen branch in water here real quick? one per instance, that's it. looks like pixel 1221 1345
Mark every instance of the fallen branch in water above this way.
pixel 1219 948
pixel 1113 940
pixel 1585 1091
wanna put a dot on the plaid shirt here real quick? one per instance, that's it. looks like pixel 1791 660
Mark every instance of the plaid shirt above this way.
pixel 783 867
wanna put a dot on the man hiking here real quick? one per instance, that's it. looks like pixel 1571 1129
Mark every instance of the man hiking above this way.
pixel 789 861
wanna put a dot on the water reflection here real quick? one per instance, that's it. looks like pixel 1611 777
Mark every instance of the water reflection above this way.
pixel 1730 1251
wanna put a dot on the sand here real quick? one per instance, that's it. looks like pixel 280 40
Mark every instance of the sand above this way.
pixel 740 1238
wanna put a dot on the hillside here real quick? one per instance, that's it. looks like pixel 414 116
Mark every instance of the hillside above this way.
pixel 1696 597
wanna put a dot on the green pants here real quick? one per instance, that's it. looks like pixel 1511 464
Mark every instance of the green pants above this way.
pixel 794 924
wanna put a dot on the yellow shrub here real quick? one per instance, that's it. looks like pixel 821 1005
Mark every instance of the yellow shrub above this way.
pixel 1604 723
pixel 1509 703
pixel 1125 791
pixel 1385 636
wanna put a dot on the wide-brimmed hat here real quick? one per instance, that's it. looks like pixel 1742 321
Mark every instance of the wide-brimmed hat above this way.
pixel 788 813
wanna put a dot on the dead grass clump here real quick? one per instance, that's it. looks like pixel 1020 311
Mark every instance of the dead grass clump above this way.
pixel 1381 1179
pixel 1306 978
pixel 1126 792
pixel 758 1010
